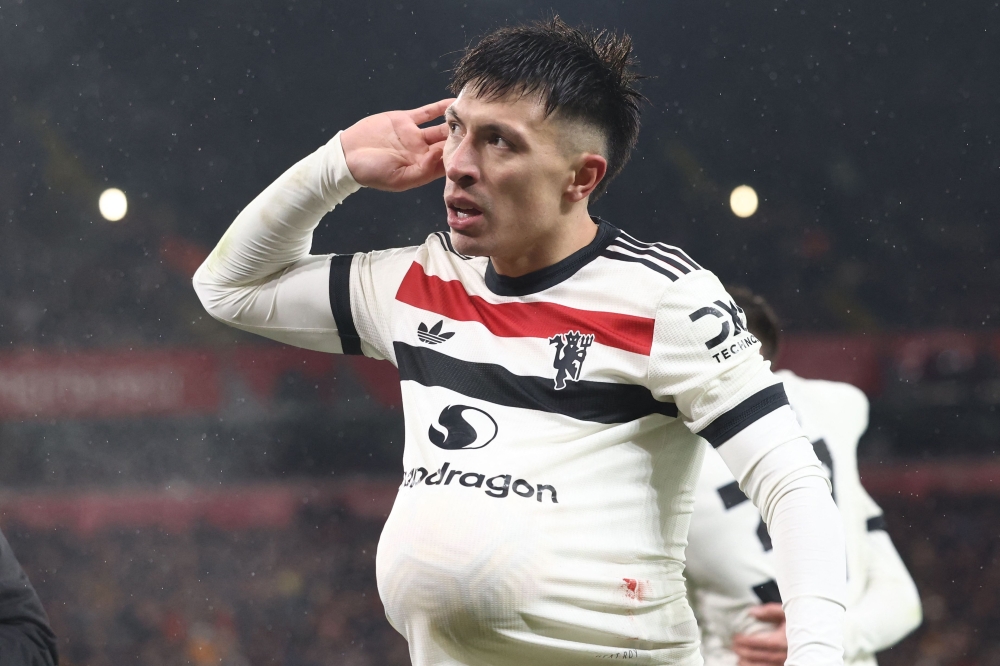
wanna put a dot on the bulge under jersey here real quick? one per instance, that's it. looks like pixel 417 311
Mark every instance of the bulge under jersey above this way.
pixel 550 454
pixel 546 490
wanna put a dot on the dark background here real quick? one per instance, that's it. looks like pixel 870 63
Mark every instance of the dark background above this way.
pixel 866 128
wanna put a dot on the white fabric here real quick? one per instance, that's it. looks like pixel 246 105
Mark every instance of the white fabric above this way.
pixel 726 558
pixel 556 535
pixel 742 452
pixel 792 493
pixel 703 384
pixel 890 607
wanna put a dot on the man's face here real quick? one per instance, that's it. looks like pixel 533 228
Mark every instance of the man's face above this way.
pixel 507 169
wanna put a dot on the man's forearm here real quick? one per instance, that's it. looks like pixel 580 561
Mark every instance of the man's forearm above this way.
pixel 275 230
pixel 809 550
pixel 261 278
pixel 790 489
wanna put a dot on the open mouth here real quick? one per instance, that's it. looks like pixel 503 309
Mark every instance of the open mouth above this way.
pixel 462 215
pixel 465 213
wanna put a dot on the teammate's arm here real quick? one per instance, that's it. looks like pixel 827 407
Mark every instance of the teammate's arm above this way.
pixel 885 614
pixel 890 607
pixel 261 277
pixel 734 402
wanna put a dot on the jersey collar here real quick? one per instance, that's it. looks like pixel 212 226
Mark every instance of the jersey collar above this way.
pixel 550 276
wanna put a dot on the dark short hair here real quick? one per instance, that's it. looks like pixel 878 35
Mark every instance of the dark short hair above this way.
pixel 761 320
pixel 581 73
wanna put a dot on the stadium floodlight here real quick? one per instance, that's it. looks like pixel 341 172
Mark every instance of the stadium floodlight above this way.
pixel 112 204
pixel 743 201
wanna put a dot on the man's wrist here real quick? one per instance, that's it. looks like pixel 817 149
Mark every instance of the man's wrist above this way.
pixel 338 176
pixel 814 627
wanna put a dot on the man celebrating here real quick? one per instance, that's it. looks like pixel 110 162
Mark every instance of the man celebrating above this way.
pixel 556 372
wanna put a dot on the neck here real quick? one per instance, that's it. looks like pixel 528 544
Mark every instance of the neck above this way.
pixel 574 233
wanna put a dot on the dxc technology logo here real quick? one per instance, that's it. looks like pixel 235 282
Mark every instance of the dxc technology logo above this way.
pixel 735 314
pixel 465 428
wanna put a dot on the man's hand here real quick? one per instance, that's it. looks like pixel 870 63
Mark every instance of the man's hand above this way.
pixel 388 151
pixel 769 648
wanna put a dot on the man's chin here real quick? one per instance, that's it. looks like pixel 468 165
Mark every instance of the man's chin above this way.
pixel 468 245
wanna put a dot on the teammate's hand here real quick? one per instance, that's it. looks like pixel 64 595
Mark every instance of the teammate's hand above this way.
pixel 388 151
pixel 768 648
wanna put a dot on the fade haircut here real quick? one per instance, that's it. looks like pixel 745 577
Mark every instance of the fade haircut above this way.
pixel 761 320
pixel 580 73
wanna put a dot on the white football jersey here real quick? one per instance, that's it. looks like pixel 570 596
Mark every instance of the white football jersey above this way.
pixel 729 562
pixel 550 456
pixel 547 475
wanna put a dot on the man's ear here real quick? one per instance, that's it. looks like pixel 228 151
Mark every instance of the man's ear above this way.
pixel 590 171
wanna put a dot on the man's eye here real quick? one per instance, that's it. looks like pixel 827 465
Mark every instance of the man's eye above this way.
pixel 453 127
pixel 499 141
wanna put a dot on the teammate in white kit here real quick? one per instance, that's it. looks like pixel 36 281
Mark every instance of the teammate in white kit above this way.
pixel 556 373
pixel 731 567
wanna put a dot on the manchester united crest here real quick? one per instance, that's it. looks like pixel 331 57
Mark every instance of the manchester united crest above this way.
pixel 571 350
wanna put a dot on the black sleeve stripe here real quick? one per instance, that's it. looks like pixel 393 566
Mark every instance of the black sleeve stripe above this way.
pixel 876 523
pixel 340 302
pixel 760 404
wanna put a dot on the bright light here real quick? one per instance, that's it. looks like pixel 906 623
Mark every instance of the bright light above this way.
pixel 743 201
pixel 113 204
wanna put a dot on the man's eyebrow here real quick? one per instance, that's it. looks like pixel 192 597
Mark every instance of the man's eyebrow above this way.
pixel 496 127
pixel 504 130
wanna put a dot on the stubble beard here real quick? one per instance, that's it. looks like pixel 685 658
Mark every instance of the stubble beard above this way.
pixel 469 246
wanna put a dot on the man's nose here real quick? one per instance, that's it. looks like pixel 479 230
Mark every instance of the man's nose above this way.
pixel 462 165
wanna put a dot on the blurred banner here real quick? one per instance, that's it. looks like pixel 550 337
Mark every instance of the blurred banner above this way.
pixel 932 368
pixel 107 384
pixel 180 508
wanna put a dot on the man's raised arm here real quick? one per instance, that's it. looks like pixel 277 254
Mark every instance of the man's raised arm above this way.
pixel 261 278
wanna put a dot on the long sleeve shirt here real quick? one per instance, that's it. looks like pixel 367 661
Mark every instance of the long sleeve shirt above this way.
pixel 553 430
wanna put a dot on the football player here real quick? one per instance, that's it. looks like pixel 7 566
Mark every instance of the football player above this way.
pixel 557 374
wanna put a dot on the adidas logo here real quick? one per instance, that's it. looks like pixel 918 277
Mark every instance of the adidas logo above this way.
pixel 434 336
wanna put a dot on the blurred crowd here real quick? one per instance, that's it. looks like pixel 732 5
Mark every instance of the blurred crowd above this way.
pixel 303 596
pixel 951 546
pixel 306 595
